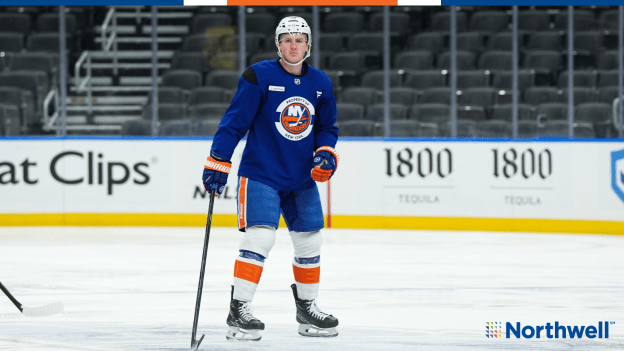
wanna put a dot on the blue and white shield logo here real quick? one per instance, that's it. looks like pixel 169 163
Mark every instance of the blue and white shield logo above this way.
pixel 617 173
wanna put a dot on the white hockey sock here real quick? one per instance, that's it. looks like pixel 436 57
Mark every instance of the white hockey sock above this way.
pixel 307 273
pixel 247 271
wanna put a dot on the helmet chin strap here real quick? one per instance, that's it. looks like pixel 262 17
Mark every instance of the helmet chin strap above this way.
pixel 279 53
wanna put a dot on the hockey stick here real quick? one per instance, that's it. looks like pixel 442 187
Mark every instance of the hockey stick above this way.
pixel 195 343
pixel 42 311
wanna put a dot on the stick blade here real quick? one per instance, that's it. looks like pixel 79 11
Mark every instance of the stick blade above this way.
pixel 43 311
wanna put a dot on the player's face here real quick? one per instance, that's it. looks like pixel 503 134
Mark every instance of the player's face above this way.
pixel 293 47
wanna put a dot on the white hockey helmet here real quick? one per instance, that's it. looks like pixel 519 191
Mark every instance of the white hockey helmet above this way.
pixel 293 25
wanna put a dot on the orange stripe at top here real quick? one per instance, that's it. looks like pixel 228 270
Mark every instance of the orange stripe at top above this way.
pixel 307 275
pixel 247 271
pixel 314 3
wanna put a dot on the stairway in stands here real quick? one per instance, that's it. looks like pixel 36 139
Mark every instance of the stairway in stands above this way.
pixel 121 70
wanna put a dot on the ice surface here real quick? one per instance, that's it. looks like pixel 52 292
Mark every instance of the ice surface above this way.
pixel 135 289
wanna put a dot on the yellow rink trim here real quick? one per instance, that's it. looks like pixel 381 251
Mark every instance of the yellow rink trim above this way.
pixel 337 221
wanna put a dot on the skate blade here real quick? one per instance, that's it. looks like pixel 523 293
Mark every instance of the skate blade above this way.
pixel 310 330
pixel 238 334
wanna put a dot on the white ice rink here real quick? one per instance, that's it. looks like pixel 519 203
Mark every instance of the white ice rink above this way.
pixel 135 289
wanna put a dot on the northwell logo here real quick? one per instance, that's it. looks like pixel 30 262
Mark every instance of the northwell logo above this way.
pixel 556 331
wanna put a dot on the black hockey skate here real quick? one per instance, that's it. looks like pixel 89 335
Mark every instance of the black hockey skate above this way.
pixel 243 326
pixel 312 321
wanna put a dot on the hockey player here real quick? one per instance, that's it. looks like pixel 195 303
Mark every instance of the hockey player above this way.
pixel 289 110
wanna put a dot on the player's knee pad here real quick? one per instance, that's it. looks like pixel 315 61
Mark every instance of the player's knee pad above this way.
pixel 259 239
pixel 307 244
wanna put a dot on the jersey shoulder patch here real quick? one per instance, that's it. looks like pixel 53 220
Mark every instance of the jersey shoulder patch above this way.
pixel 250 76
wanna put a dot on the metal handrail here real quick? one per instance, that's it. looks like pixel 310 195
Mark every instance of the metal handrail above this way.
pixel 106 44
pixel 80 84
pixel 48 120
pixel 616 114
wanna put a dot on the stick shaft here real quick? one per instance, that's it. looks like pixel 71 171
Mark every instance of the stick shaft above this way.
pixel 8 294
pixel 203 267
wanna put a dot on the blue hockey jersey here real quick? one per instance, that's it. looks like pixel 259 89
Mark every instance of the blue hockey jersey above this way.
pixel 288 117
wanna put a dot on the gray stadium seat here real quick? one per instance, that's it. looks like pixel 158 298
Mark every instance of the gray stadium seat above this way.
pixel 376 112
pixel 351 61
pixel 196 61
pixel 436 113
pixel 403 95
pixel 11 42
pixel 196 43
pixel 489 21
pixel 15 22
pixel 334 42
pixel 414 59
pixel 137 127
pixel 552 111
pixel 206 128
pixel 357 128
pixel 49 22
pixel 264 23
pixel 583 20
pixel 10 120
pixel 208 111
pixel 422 80
pixel 527 129
pixel 375 79
pixel 46 42
pixel 560 129
pixel 204 21
pixel 224 79
pixel 608 94
pixel 404 128
pixel 433 41
pixel 166 112
pixel 473 79
pixel 480 96
pixel 495 60
pixel 465 129
pixel 441 21
pixel 607 78
pixel 581 79
pixel 494 129
pixel 263 56
pixel 543 59
pixel 349 112
pixel 22 99
pixel 533 20
pixel 399 22
pixel 439 95
pixel 540 95
pixel 503 79
pixel 470 41
pixel 475 113
pixel 581 95
pixel 608 60
pixel 37 82
pixel 347 22
pixel 183 78
pixel 202 95
pixel 36 61
pixel 504 112
pixel 169 95
pixel 600 115
pixel 176 128
pixel 545 41
pixel 465 60
pixel 361 95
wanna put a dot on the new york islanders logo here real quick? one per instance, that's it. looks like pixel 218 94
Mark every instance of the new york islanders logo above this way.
pixel 295 118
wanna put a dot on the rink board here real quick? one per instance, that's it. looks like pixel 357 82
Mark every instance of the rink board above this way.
pixel 538 186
